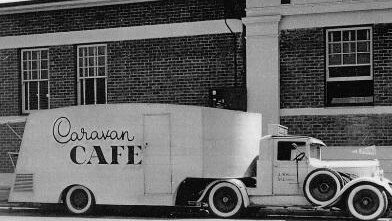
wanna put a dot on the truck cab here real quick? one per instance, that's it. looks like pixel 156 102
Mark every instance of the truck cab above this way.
pixel 283 165
pixel 292 173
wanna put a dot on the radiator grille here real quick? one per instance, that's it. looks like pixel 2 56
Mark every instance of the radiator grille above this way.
pixel 23 183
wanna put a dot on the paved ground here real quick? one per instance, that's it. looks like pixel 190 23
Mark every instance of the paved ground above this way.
pixel 51 213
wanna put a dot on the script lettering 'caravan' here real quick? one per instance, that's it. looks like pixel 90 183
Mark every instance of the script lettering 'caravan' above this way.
pixel 62 133
pixel 79 154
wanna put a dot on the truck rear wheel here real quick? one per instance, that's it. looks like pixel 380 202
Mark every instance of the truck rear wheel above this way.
pixel 225 200
pixel 79 200
pixel 322 185
pixel 367 202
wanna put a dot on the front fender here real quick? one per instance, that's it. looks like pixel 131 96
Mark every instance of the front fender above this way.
pixel 383 183
pixel 240 185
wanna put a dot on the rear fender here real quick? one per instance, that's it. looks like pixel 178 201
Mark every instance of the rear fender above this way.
pixel 240 185
pixel 362 180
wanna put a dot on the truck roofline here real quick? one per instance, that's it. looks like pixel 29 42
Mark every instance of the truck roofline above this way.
pixel 314 140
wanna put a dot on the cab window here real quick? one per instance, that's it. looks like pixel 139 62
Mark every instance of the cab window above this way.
pixel 315 151
pixel 287 150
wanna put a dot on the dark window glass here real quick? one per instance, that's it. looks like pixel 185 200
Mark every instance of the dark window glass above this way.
pixel 285 149
pixel 43 95
pixel 101 91
pixel 33 98
pixel 89 92
pixel 349 71
pixel 350 93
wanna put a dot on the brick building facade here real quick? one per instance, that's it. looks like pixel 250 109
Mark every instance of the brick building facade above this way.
pixel 330 77
pixel 66 53
pixel 320 67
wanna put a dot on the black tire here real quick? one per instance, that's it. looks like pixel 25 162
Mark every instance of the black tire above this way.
pixel 79 200
pixel 367 202
pixel 225 200
pixel 322 185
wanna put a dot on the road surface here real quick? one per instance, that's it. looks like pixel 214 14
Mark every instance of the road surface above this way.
pixel 54 213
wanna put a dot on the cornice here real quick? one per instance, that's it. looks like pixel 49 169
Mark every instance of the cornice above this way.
pixel 319 8
pixel 64 5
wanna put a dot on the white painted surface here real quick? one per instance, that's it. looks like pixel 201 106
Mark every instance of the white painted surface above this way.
pixel 262 53
pixel 231 142
pixel 228 151
pixel 157 160
pixel 12 119
pixel 121 34
pixel 302 7
pixel 333 111
pixel 383 154
pixel 346 18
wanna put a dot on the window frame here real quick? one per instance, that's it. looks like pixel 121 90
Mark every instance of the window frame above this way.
pixel 357 78
pixel 80 79
pixel 24 81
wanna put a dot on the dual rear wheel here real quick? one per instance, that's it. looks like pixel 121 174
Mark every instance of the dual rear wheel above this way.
pixel 367 202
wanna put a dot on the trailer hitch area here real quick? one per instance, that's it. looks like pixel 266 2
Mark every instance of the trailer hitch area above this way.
pixel 197 204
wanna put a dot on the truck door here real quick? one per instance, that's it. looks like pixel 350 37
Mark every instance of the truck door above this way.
pixel 289 172
pixel 157 154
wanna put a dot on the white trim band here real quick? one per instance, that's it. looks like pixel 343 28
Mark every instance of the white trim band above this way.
pixel 64 5
pixel 335 111
pixel 12 119
pixel 122 34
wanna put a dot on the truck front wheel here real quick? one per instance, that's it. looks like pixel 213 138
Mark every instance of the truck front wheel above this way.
pixel 79 200
pixel 322 185
pixel 225 200
pixel 367 202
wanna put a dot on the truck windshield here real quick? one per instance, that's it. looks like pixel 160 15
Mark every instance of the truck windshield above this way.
pixel 315 151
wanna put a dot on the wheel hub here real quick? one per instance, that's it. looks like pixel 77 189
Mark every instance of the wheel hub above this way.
pixel 366 201
pixel 225 199
pixel 324 187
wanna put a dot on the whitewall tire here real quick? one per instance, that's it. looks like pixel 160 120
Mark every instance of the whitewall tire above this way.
pixel 79 200
pixel 225 200
pixel 321 186
pixel 367 202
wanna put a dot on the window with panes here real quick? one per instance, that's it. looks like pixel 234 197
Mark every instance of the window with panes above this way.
pixel 35 79
pixel 349 67
pixel 92 74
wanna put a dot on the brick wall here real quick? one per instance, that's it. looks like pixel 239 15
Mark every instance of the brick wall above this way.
pixel 343 130
pixel 9 142
pixel 302 71
pixel 382 61
pixel 62 76
pixel 10 103
pixel 172 70
pixel 176 70
pixel 146 13
pixel 303 86
pixel 302 75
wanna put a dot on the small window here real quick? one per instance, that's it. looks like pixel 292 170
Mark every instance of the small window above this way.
pixel 287 150
pixel 92 74
pixel 35 79
pixel 349 67
pixel 315 151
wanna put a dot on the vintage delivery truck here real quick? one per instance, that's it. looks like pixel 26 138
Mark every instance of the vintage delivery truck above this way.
pixel 173 155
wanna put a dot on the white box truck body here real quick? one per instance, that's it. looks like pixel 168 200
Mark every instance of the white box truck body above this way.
pixel 131 154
